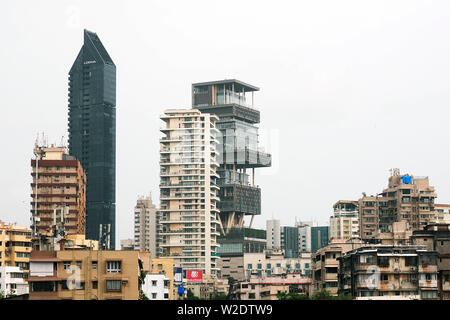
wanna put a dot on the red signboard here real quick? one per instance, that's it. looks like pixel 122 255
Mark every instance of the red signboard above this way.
pixel 194 275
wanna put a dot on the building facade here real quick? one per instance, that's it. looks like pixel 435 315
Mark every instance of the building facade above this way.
pixel 127 244
pixel 92 134
pixel 145 222
pixel 58 192
pixel 442 213
pixel 15 247
pixel 407 198
pixel 344 224
pixel 319 237
pixel 165 267
pixel 273 234
pixel 13 281
pixel 156 287
pixel 189 223
pixel 268 289
pixel 371 211
pixel 238 149
pixel 436 237
pixel 389 272
pixel 85 275
pixel 325 264
pixel 290 243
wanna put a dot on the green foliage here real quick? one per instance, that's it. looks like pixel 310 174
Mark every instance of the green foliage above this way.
pixel 144 297
pixel 322 295
pixel 291 296
pixel 344 297
pixel 190 295
pixel 220 296
pixel 326 295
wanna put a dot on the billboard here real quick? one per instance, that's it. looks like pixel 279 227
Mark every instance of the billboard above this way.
pixel 178 275
pixel 194 275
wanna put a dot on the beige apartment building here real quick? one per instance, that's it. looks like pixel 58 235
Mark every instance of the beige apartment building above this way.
pixel 15 247
pixel 368 217
pixel 325 264
pixel 344 224
pixel 145 221
pixel 442 213
pixel 85 275
pixel 189 224
pixel 407 198
pixel 208 288
pixel 268 288
pixel 58 187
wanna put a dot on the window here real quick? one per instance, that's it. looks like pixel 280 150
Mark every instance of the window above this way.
pixel 154 295
pixel 114 266
pixel 154 283
pixel 94 284
pixel 79 285
pixel 383 261
pixel 113 285
pixel 43 286
pixel 251 296
pixel 67 265
pixel 410 261
pixel 94 265
pixel 249 266
pixel 166 296
pixel 429 294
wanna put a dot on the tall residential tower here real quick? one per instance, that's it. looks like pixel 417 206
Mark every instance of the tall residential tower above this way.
pixel 92 134
pixel 145 220
pixel 188 222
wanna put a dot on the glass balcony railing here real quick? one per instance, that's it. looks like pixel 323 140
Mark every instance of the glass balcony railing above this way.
pixel 235 98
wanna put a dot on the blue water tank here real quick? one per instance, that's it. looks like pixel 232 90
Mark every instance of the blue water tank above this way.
pixel 407 179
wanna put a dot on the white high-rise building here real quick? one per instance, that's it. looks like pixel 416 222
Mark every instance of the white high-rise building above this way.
pixel 189 224
pixel 304 235
pixel 344 224
pixel 273 234
pixel 145 220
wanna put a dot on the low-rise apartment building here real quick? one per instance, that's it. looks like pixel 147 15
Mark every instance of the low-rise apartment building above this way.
pixel 268 288
pixel 85 275
pixel 265 264
pixel 156 287
pixel 437 237
pixel 389 272
pixel 325 264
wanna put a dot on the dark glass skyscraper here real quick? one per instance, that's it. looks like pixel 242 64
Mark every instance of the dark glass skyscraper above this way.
pixel 92 134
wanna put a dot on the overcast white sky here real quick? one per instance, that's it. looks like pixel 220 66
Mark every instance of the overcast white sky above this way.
pixel 349 89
